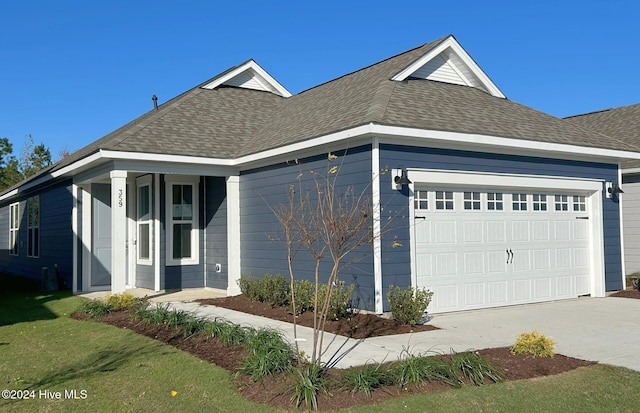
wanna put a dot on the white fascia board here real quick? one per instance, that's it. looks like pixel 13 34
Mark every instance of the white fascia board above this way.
pixel 487 141
pixel 464 57
pixel 250 65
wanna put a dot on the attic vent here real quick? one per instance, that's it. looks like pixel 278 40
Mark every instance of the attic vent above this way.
pixel 441 70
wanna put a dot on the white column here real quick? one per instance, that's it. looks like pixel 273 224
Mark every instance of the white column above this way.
pixel 87 232
pixel 156 232
pixel 74 229
pixel 233 235
pixel 118 231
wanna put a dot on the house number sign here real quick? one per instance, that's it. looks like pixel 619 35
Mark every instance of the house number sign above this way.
pixel 120 198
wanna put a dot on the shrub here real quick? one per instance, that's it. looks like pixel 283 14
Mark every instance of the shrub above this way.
pixel 340 302
pixel 268 354
pixel 408 305
pixel 121 301
pixel 534 343
pixel 304 292
pixel 95 308
pixel 366 379
pixel 273 290
pixel 414 369
pixel 477 369
pixel 311 380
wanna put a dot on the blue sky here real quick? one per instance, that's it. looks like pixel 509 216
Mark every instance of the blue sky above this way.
pixel 72 71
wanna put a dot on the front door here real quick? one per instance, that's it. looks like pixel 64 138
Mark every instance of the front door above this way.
pixel 101 238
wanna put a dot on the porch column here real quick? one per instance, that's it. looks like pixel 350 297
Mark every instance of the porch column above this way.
pixel 118 230
pixel 233 235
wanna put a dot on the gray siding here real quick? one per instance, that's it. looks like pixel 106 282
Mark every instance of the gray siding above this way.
pixel 396 261
pixel 56 236
pixel 631 222
pixel 216 232
pixel 265 188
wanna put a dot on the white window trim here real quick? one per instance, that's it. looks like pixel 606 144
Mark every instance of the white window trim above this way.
pixel 14 232
pixel 195 239
pixel 140 183
pixel 35 240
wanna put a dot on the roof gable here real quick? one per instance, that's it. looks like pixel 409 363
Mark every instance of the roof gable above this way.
pixel 248 75
pixel 448 62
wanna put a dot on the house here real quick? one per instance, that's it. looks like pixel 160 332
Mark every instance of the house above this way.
pixel 622 124
pixel 503 204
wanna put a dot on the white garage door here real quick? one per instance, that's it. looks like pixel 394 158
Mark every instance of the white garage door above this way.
pixel 486 248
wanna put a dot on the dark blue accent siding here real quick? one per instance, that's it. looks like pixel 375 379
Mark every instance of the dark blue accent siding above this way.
pixel 261 189
pixel 396 261
pixel 56 236
pixel 216 232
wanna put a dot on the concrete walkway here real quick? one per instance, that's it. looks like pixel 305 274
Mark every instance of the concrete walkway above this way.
pixel 600 329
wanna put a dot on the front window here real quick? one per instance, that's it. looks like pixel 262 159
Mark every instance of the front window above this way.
pixel 182 245
pixel 33 227
pixel 144 220
pixel 14 228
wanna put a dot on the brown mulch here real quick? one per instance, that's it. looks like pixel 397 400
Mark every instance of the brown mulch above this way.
pixel 357 326
pixel 277 390
pixel 627 294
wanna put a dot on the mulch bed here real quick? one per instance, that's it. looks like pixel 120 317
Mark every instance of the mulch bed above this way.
pixel 357 326
pixel 627 294
pixel 277 390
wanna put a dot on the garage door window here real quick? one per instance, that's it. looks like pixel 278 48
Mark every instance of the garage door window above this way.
pixel 472 201
pixel 562 203
pixel 420 200
pixel 494 201
pixel 444 200
pixel 539 202
pixel 519 202
pixel 579 203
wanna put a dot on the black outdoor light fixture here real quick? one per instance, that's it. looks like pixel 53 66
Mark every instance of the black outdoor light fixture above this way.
pixel 402 179
pixel 612 190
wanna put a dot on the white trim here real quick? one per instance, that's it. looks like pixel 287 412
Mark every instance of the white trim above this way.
pixel 141 182
pixel 156 231
pixel 233 235
pixel 194 182
pixel 87 256
pixel 377 242
pixel 592 188
pixel 74 231
pixel 119 222
pixel 455 47
pixel 620 215
pixel 14 231
pixel 263 76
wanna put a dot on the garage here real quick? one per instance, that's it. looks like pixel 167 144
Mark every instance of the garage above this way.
pixel 489 240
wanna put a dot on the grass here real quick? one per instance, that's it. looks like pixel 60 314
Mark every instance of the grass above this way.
pixel 42 348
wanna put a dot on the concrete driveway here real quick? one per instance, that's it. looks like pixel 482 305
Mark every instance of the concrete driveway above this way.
pixel 606 330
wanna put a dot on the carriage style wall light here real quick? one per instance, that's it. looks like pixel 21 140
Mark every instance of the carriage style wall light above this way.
pixel 612 190
pixel 399 179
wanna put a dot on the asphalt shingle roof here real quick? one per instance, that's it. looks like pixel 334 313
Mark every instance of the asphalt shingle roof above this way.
pixel 229 122
pixel 621 123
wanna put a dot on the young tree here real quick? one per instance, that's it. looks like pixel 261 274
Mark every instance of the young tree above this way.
pixel 330 224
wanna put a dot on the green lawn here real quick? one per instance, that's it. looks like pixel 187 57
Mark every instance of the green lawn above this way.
pixel 43 349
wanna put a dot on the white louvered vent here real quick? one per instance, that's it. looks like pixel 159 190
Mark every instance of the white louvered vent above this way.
pixel 441 70
pixel 247 80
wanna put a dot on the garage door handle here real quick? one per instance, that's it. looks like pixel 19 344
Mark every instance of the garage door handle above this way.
pixel 420 217
pixel 509 255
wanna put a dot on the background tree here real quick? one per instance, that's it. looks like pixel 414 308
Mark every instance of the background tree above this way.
pixel 32 160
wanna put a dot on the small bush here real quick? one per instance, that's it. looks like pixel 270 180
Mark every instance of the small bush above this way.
pixel 251 287
pixel 477 369
pixel 366 379
pixel 340 301
pixel 534 343
pixel 275 290
pixel 121 301
pixel 415 369
pixel 311 380
pixel 304 292
pixel 408 305
pixel 95 308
